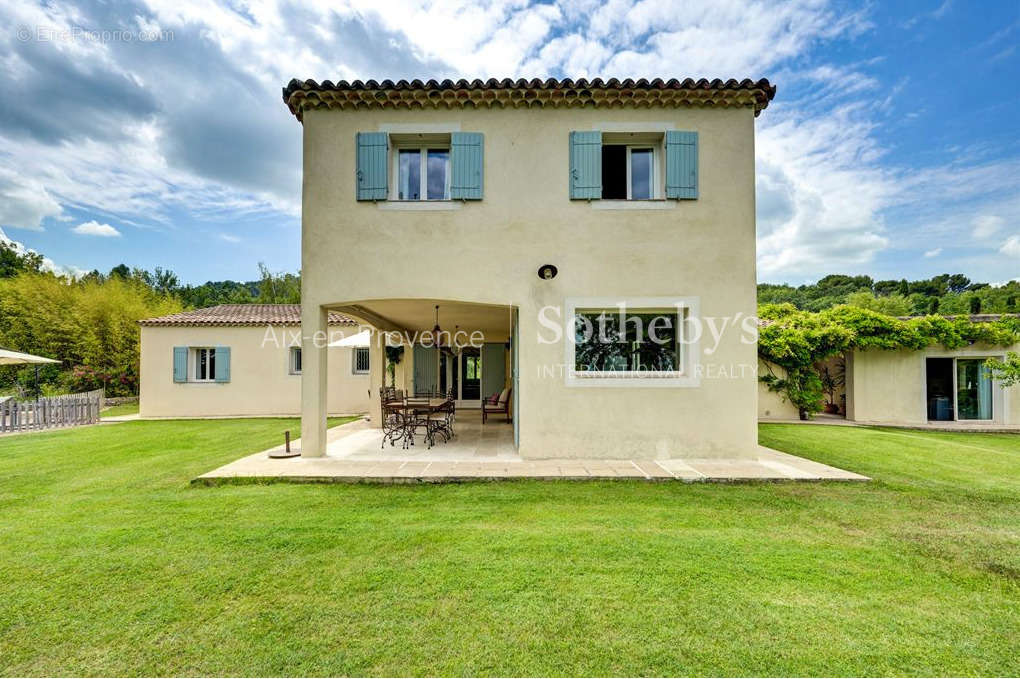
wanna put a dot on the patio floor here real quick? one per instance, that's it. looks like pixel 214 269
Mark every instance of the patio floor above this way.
pixel 486 453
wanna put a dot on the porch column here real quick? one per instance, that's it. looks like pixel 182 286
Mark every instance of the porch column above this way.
pixel 377 376
pixel 314 356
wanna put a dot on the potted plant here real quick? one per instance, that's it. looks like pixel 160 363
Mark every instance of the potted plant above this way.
pixel 393 356
pixel 833 377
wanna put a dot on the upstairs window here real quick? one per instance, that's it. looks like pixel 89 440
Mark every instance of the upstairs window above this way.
pixel 633 165
pixel 629 172
pixel 416 167
pixel 423 173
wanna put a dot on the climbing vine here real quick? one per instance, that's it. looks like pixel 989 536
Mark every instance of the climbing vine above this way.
pixel 796 341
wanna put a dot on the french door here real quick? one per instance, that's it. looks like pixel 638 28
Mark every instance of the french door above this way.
pixel 959 389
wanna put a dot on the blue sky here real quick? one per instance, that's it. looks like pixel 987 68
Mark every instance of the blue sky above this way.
pixel 892 148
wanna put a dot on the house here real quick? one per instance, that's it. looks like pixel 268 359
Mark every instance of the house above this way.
pixel 935 386
pixel 520 212
pixel 242 360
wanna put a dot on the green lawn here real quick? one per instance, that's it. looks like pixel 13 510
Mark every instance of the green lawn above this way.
pixel 119 410
pixel 112 563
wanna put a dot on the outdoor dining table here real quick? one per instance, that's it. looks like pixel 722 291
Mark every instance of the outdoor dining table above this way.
pixel 433 405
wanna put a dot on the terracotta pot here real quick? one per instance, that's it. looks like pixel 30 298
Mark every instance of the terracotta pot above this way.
pixel 831 409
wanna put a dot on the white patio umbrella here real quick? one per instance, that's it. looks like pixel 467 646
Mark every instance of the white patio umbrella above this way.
pixel 361 339
pixel 8 357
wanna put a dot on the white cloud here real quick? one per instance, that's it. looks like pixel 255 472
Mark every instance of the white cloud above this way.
pixel 24 201
pixel 230 238
pixel 933 253
pixel 987 225
pixel 1011 247
pixel 833 201
pixel 94 228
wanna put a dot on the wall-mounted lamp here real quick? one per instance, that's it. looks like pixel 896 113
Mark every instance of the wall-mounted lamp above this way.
pixel 547 272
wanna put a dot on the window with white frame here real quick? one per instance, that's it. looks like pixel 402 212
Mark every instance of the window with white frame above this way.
pixel 640 342
pixel 422 171
pixel 295 361
pixel 631 166
pixel 203 364
pixel 635 342
pixel 361 361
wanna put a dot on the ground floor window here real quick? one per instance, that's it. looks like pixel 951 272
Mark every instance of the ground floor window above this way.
pixel 639 341
pixel 630 341
pixel 959 389
pixel 361 360
pixel 203 364
pixel 295 360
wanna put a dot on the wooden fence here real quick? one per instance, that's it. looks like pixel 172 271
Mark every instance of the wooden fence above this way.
pixel 69 410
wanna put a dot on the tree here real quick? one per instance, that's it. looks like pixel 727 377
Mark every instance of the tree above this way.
pixel 893 305
pixel 278 288
pixel 1006 372
pixel 975 304
pixel 933 305
pixel 90 325
pixel 162 281
pixel 14 261
pixel 886 288
pixel 957 282
pixel 120 271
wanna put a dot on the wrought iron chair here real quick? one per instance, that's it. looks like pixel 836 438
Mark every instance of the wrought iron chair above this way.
pixel 393 417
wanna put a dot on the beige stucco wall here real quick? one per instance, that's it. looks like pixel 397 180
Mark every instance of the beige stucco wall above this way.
pixel 489 251
pixel 889 386
pixel 771 405
pixel 260 380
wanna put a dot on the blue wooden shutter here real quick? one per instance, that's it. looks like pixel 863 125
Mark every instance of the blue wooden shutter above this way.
pixel 466 151
pixel 425 369
pixel 373 153
pixel 681 164
pixel 180 364
pixel 222 364
pixel 586 165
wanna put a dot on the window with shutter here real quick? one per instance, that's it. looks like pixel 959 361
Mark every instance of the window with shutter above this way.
pixel 586 165
pixel 681 165
pixel 373 154
pixel 467 164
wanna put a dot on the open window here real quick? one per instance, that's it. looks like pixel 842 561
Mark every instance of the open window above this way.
pixel 632 166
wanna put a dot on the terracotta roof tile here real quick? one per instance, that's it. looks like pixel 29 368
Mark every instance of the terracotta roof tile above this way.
pixel 240 315
pixel 305 95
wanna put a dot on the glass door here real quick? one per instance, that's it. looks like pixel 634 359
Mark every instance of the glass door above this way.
pixel 973 389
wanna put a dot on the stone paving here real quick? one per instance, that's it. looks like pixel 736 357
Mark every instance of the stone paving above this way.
pixel 486 453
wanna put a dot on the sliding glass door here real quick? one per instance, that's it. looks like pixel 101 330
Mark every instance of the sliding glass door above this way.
pixel 973 389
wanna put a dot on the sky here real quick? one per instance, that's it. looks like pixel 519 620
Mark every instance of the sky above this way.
pixel 153 132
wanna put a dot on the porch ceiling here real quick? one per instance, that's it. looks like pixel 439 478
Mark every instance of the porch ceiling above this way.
pixel 416 315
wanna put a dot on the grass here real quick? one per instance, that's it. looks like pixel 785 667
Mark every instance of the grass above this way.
pixel 113 564
pixel 120 410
